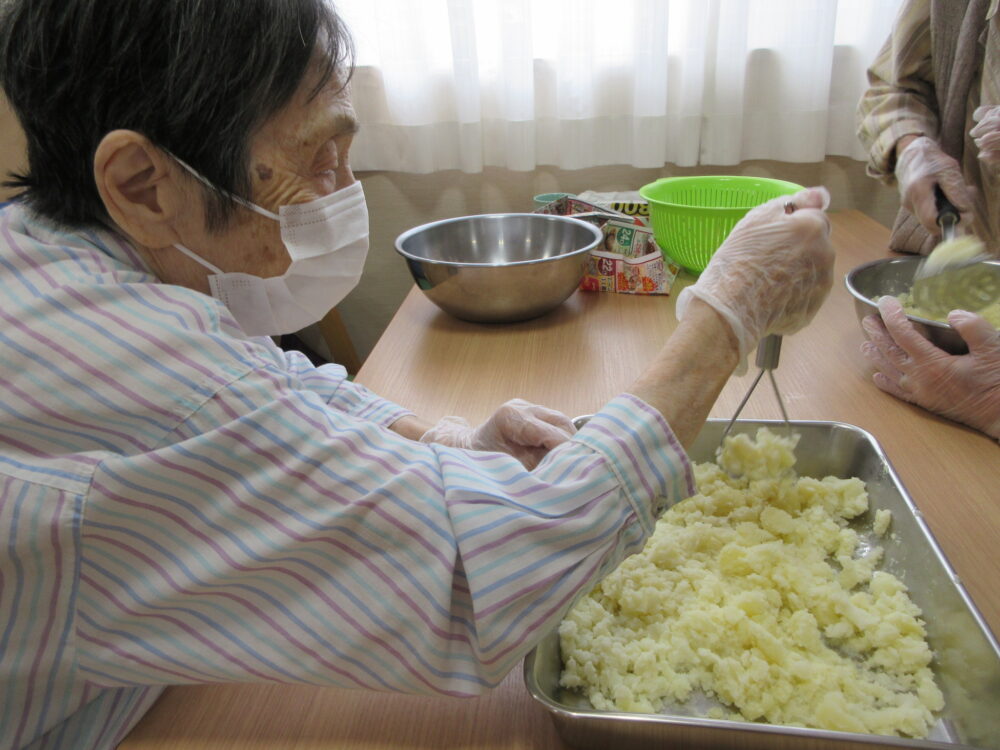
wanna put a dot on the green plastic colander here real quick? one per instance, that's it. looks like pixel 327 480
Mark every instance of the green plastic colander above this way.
pixel 691 216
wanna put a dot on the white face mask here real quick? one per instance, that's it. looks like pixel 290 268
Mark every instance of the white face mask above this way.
pixel 327 240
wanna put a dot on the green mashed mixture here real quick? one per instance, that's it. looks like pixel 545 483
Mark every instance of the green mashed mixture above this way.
pixel 991 312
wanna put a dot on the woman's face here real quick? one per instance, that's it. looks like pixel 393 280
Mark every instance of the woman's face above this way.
pixel 299 155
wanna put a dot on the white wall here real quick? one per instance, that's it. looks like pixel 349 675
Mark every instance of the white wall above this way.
pixel 399 201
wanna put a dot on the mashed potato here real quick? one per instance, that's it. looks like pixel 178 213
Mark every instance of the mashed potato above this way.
pixel 991 312
pixel 756 593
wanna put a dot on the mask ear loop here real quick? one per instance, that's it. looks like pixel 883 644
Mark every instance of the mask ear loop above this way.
pixel 201 261
pixel 242 201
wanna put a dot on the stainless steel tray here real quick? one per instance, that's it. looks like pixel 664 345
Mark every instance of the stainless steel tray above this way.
pixel 967 656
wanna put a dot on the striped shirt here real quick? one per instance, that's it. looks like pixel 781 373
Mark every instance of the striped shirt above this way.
pixel 180 503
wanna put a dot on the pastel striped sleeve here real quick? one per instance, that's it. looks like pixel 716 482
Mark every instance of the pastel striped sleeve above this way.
pixel 331 382
pixel 642 450
pixel 529 552
pixel 297 543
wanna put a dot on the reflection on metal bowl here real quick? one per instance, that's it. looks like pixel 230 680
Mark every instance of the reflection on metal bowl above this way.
pixel 499 268
pixel 894 276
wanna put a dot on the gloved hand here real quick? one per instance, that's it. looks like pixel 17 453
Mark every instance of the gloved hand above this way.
pixel 522 429
pixel 919 167
pixel 965 388
pixel 986 134
pixel 772 272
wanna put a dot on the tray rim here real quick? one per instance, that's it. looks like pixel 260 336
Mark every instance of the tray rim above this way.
pixel 787 731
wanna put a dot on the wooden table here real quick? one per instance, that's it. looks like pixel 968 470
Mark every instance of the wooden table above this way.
pixel 574 360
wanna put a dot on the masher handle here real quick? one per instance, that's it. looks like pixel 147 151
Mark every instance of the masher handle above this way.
pixel 947 216
pixel 769 352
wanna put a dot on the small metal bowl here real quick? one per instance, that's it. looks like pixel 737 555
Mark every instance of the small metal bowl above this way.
pixel 894 276
pixel 499 268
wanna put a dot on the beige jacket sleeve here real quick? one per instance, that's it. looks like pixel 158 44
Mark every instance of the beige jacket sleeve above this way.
pixel 900 99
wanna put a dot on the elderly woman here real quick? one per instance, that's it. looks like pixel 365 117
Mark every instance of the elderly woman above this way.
pixel 180 500
pixel 931 119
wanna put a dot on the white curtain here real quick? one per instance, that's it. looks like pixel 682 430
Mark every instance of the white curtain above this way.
pixel 464 84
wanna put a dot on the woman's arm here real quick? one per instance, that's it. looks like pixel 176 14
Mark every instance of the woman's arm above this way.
pixel 690 371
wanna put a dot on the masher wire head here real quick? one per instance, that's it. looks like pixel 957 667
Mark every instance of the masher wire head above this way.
pixel 768 355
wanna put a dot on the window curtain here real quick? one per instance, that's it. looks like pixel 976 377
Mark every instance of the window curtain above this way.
pixel 466 84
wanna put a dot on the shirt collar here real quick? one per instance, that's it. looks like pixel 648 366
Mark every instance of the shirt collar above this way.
pixel 116 245
pixel 107 241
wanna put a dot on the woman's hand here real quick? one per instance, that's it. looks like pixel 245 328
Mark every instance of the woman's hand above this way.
pixel 921 165
pixel 773 271
pixel 986 134
pixel 965 387
pixel 522 429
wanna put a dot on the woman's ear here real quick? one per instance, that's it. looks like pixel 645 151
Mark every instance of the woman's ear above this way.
pixel 140 187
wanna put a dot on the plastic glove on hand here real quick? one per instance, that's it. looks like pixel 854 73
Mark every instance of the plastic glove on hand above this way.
pixel 986 134
pixel 919 167
pixel 963 387
pixel 773 271
pixel 524 430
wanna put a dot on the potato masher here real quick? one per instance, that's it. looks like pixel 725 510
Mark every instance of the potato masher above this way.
pixel 768 354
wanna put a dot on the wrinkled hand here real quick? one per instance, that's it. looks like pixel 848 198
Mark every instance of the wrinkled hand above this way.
pixel 773 271
pixel 965 387
pixel 919 167
pixel 522 429
pixel 986 134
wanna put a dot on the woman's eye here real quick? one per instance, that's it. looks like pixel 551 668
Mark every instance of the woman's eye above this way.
pixel 328 158
pixel 326 165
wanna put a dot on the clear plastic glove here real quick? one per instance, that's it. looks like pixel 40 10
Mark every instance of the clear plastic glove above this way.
pixel 773 271
pixel 921 166
pixel 986 134
pixel 965 387
pixel 522 429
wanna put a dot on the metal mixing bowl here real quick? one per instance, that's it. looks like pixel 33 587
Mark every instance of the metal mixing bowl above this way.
pixel 893 276
pixel 499 268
